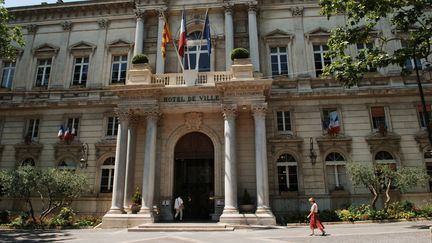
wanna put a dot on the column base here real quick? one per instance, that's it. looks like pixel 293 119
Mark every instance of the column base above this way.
pixel 248 219
pixel 114 210
pixel 125 220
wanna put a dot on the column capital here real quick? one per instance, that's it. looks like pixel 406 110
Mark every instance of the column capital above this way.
pixel 229 111
pixel 67 25
pixel 139 13
pixel 151 114
pixel 122 114
pixel 297 11
pixel 31 28
pixel 229 7
pixel 259 109
pixel 103 23
pixel 162 12
pixel 252 6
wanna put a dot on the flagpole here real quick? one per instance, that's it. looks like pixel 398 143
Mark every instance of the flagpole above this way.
pixel 200 43
pixel 175 47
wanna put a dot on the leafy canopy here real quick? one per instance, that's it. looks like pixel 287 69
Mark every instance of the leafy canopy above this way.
pixel 410 23
pixel 8 34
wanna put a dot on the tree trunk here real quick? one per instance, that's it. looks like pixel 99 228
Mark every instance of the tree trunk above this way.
pixel 374 199
pixel 387 194
pixel 31 210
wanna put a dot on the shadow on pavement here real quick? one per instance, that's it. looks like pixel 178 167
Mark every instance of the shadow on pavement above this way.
pixel 422 226
pixel 33 236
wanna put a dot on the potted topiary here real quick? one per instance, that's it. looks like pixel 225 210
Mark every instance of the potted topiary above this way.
pixel 140 59
pixel 136 201
pixel 246 205
pixel 239 53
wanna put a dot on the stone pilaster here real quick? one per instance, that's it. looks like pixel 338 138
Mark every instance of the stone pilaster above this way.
pixel 229 113
pixel 229 35
pixel 253 36
pixel 130 161
pixel 139 32
pixel 149 162
pixel 120 163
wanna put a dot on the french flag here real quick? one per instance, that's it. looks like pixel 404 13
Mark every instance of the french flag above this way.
pixel 67 135
pixel 60 133
pixel 334 126
pixel 182 38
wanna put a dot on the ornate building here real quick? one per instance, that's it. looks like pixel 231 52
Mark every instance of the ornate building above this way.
pixel 271 126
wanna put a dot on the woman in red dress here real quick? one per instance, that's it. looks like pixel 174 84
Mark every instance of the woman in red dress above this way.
pixel 315 222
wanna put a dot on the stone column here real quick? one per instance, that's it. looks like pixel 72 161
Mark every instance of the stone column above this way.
pixel 253 36
pixel 149 162
pixel 160 62
pixel 229 35
pixel 130 162
pixel 139 32
pixel 263 202
pixel 120 163
pixel 229 113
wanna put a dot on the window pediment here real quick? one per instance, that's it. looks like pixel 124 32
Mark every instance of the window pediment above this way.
pixel 317 34
pixel 104 147
pixel 326 143
pixel 82 47
pixel 391 141
pixel 32 150
pixel 119 46
pixel 47 50
pixel 62 150
pixel 278 37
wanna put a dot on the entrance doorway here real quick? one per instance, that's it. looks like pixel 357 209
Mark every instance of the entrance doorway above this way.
pixel 194 176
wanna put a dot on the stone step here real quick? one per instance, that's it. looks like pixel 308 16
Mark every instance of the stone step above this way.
pixel 175 227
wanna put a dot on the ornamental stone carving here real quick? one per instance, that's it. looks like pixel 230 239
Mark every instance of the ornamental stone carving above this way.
pixel 23 151
pixel 228 6
pixel 229 111
pixel 72 150
pixel 103 23
pixel 31 28
pixel 193 120
pixel 122 114
pixel 253 6
pixel 133 120
pixel 139 13
pixel 259 109
pixel 67 25
pixel 297 11
pixel 105 147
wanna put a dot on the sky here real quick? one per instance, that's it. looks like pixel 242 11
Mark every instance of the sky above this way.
pixel 16 3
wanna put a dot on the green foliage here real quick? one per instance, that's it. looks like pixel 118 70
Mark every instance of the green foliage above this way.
pixel 88 221
pixel 55 188
pixel 137 197
pixel 408 19
pixel 20 221
pixel 140 58
pixel 8 34
pixel 239 53
pixel 246 199
pixel 64 218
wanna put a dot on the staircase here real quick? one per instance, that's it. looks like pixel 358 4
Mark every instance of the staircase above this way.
pixel 177 227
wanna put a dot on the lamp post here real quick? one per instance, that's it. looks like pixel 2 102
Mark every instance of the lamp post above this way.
pixel 84 156
pixel 425 113
pixel 312 154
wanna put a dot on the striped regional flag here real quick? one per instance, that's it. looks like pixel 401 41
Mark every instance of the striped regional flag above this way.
pixel 166 37
pixel 182 38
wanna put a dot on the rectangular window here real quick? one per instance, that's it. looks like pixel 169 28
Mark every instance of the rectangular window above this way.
pixel 378 117
pixel 366 47
pixel 32 130
pixel 107 180
pixel 287 178
pixel 73 125
pixel 43 72
pixel 279 60
pixel 112 126
pixel 8 74
pixel 283 121
pixel 320 61
pixel 420 114
pixel 409 62
pixel 336 177
pixel 80 71
pixel 118 69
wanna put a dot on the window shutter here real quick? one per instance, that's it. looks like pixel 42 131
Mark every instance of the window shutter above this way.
pixel 378 111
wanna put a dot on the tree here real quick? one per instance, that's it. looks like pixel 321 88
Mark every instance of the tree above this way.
pixel 381 179
pixel 408 18
pixel 55 188
pixel 8 34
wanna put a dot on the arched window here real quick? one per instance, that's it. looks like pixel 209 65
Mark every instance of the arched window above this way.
pixel 107 175
pixel 28 162
pixel 336 171
pixel 287 173
pixel 428 160
pixel 385 158
pixel 197 46
pixel 67 164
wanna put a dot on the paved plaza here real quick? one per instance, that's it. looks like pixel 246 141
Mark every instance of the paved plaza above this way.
pixel 413 232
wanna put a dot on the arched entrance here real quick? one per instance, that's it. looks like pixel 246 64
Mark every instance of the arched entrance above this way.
pixel 194 175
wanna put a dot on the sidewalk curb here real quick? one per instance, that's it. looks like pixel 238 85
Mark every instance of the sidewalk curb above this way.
pixel 363 222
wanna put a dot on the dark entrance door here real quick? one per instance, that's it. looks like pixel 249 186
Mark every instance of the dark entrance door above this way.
pixel 194 176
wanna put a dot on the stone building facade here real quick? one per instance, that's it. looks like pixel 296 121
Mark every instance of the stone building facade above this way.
pixel 260 126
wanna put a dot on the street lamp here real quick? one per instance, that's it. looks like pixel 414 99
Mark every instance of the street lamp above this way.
pixel 425 113
pixel 312 153
pixel 84 156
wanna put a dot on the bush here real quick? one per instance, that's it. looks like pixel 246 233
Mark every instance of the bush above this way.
pixel 239 53
pixel 137 197
pixel 64 218
pixel 329 216
pixel 20 221
pixel 88 221
pixel 140 58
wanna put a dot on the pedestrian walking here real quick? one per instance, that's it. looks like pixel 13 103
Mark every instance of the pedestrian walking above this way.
pixel 315 221
pixel 178 206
